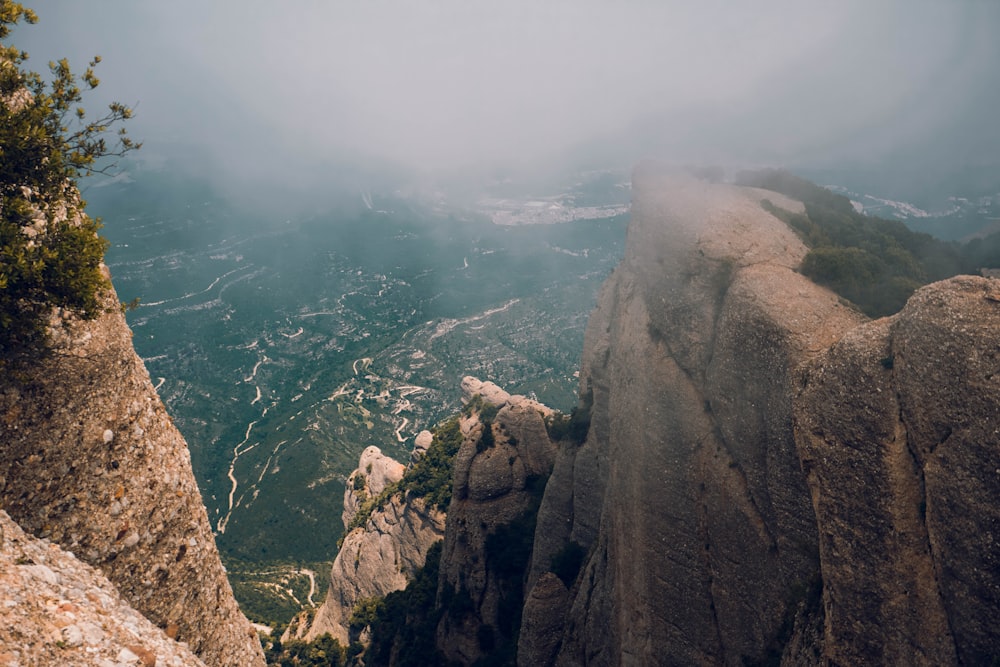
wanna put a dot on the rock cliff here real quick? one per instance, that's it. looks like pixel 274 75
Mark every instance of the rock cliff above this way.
pixel 768 476
pixel 498 476
pixel 92 462
pixel 763 476
pixel 378 557
pixel 898 432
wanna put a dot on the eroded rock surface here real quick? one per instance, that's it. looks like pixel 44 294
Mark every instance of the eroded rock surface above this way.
pixel 59 611
pixel 496 490
pixel 687 494
pixel 91 461
pixel 898 427
pixel 377 558
pixel 374 473
pixel 768 476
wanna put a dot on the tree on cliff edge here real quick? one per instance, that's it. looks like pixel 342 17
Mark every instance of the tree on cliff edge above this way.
pixel 50 251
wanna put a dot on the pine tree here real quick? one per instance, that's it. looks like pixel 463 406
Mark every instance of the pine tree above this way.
pixel 50 250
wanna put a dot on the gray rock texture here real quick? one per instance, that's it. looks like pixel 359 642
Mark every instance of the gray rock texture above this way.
pixel 376 471
pixel 541 625
pixel 91 461
pixel 898 428
pixel 687 493
pixel 59 611
pixel 495 489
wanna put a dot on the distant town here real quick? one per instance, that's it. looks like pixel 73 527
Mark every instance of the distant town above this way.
pixel 544 211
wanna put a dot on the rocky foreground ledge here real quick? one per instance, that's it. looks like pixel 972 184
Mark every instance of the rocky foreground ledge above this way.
pixel 58 611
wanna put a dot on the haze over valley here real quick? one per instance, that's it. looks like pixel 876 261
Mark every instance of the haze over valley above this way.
pixel 285 347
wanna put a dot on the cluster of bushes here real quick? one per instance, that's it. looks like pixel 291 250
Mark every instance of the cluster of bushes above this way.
pixel 364 613
pixel 486 411
pixel 486 438
pixel 324 651
pixel 874 263
pixel 429 478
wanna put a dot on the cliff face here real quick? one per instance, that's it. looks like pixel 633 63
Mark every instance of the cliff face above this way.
pixel 377 558
pixel 91 461
pixel 497 484
pixel 898 430
pixel 715 532
pixel 705 522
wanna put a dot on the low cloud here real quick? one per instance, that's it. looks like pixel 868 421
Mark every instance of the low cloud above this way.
pixel 269 89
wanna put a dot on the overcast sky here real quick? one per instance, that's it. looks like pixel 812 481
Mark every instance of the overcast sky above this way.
pixel 449 83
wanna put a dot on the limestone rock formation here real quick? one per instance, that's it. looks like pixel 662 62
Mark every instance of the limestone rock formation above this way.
pixel 91 461
pixel 768 477
pixel 687 495
pixel 420 445
pixel 490 392
pixel 377 558
pixel 490 521
pixel 58 611
pixel 541 626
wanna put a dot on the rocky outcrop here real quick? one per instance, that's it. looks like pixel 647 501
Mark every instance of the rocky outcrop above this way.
pixel 58 611
pixel 898 429
pixel 421 443
pixel 92 462
pixel 374 473
pixel 687 494
pixel 768 476
pixel 497 484
pixel 541 625
pixel 377 558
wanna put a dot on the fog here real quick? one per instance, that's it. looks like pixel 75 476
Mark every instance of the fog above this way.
pixel 270 90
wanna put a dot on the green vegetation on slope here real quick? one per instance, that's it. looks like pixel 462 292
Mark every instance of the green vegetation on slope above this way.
pixel 429 478
pixel 225 292
pixel 874 263
pixel 324 651
pixel 273 593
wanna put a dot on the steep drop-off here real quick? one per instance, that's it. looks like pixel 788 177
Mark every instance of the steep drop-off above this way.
pixel 502 455
pixel 756 473
pixel 715 532
pixel 91 461
pixel 498 476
